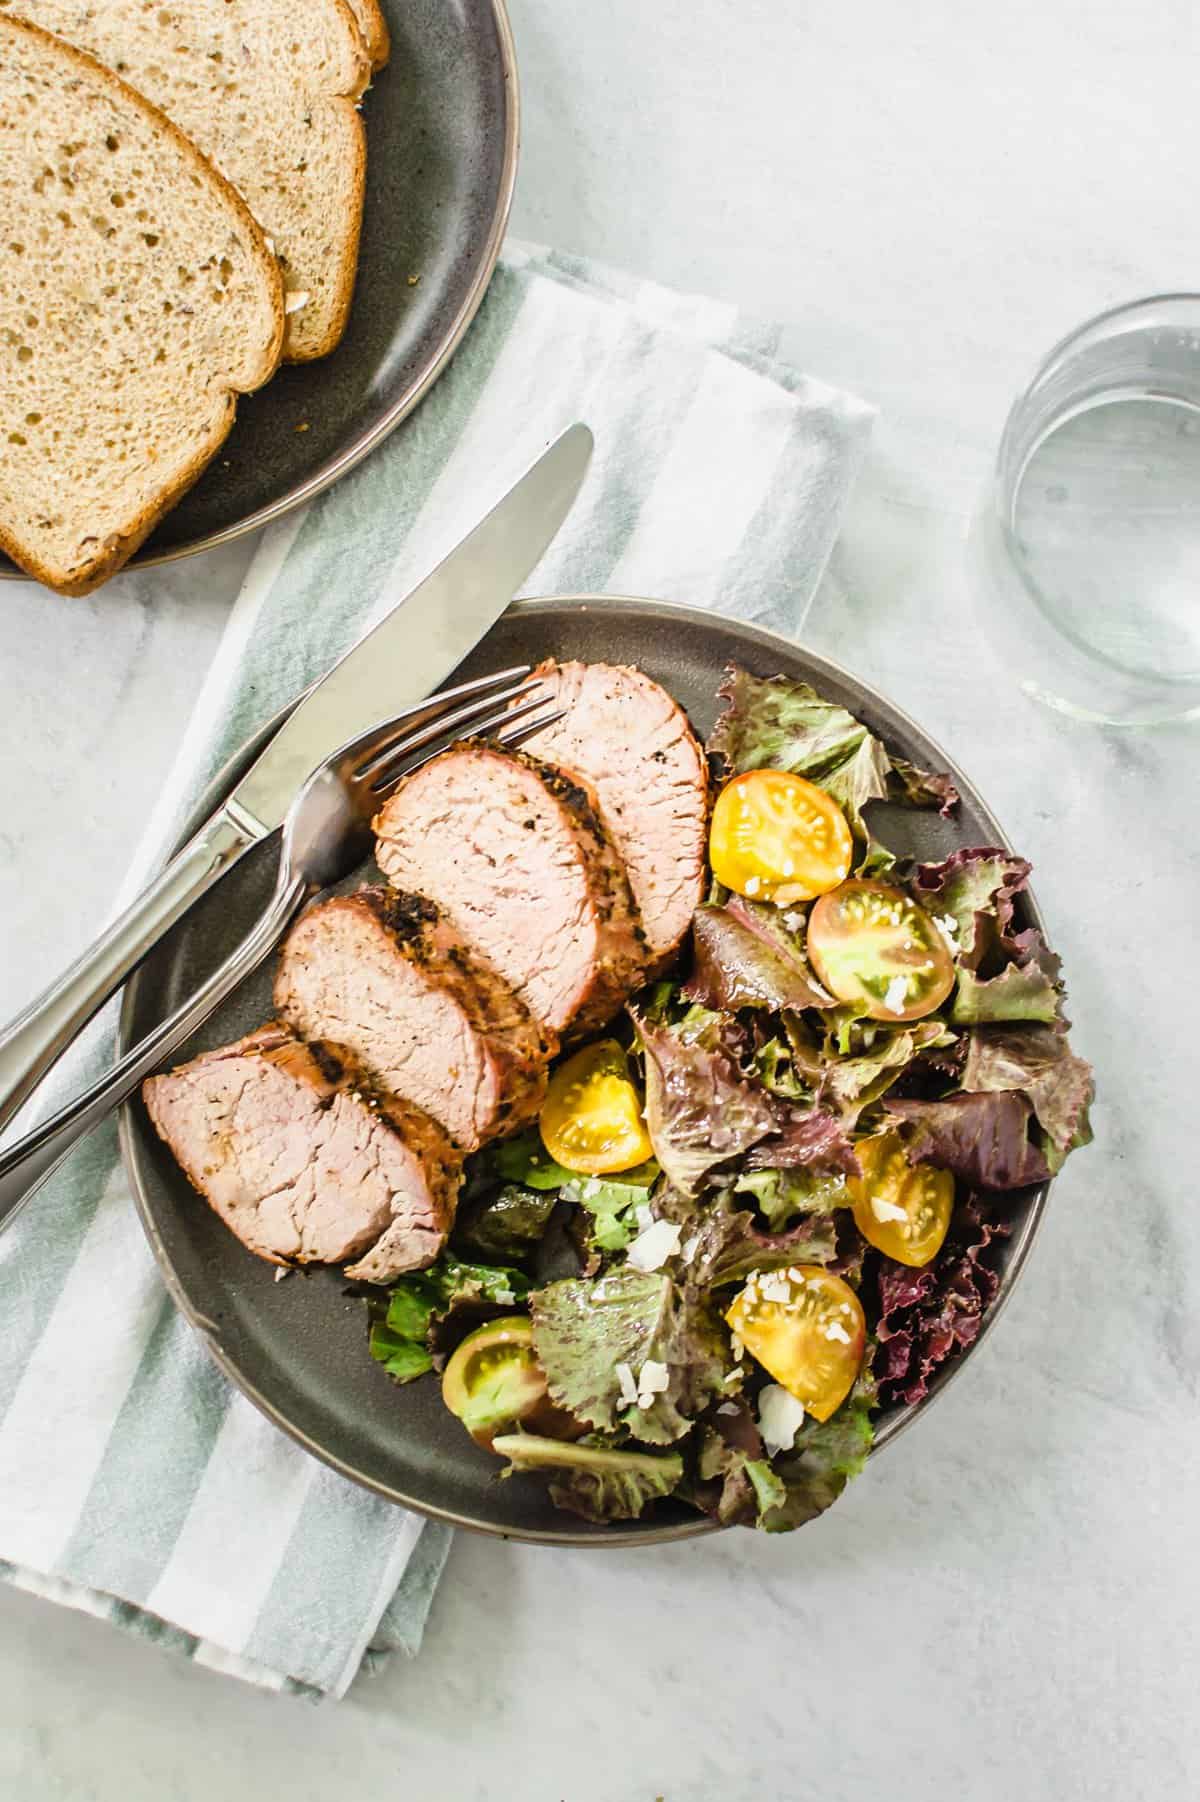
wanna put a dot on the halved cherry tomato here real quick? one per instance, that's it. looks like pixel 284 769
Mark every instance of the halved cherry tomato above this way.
pixel 776 837
pixel 902 1209
pixel 591 1119
pixel 806 1327
pixel 874 947
pixel 494 1380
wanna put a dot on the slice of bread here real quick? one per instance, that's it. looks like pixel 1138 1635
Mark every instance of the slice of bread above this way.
pixel 137 299
pixel 268 90
pixel 374 28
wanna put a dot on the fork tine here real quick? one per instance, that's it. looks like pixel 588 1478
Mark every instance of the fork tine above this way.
pixel 384 734
pixel 512 726
pixel 461 722
pixel 513 734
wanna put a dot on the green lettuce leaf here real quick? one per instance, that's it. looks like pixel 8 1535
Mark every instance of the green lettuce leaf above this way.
pixel 1002 974
pixel 848 1085
pixel 525 1160
pixel 781 1195
pixel 780 724
pixel 775 1067
pixel 595 1479
pixel 1019 992
pixel 735 1484
pixel 588 1334
pixel 822 1461
pixel 404 1329
pixel 700 1112
pixel 508 1224
pixel 972 894
pixel 401 1357
pixel 613 1203
pixel 723 1242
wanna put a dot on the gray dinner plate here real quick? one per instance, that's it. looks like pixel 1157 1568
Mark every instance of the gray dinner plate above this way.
pixel 442 128
pixel 298 1348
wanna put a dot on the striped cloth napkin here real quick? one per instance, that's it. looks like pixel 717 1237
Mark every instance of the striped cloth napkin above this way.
pixel 133 1482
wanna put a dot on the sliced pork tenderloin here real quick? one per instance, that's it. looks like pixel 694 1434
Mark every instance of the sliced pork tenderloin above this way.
pixel 624 735
pixel 302 1162
pixel 388 976
pixel 516 856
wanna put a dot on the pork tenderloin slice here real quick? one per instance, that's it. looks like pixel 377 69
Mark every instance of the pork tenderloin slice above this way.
pixel 300 1161
pixel 516 856
pixel 388 976
pixel 622 733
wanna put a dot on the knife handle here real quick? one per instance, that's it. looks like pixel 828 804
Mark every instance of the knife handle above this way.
pixel 26 1165
pixel 37 1038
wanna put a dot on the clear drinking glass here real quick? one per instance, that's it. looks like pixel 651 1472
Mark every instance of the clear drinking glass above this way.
pixel 1085 546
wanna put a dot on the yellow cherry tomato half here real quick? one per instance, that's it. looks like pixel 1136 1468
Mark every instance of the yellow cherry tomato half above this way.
pixel 902 1209
pixel 806 1327
pixel 874 947
pixel 591 1119
pixel 776 837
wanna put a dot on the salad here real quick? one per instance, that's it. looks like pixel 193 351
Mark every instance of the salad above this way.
pixel 766 1204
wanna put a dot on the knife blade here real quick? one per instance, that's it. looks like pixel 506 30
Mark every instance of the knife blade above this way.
pixel 425 636
pixel 401 660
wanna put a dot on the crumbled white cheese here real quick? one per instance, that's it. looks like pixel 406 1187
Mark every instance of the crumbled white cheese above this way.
pixel 886 1210
pixel 774 1286
pixel 835 1330
pixel 653 1379
pixel 896 996
pixel 780 1417
pixel 629 1392
pixel 652 1247
pixel 949 926
pixel 728 1408
pixel 293 302
pixel 505 1297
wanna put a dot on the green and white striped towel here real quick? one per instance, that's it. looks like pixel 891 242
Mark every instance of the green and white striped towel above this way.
pixel 133 1482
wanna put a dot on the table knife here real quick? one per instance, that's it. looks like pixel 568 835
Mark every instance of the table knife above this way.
pixel 401 660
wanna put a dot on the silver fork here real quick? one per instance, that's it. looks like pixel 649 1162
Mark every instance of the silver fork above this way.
pixel 326 834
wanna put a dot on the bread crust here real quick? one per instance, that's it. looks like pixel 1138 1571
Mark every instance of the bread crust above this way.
pixel 347 270
pixel 374 27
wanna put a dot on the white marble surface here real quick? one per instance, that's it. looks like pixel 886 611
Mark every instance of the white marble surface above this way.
pixel 1006 1604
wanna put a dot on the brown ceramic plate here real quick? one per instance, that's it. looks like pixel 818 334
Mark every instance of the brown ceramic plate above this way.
pixel 298 1348
pixel 442 127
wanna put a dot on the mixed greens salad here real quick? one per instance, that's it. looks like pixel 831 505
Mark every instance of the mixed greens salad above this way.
pixel 767 1203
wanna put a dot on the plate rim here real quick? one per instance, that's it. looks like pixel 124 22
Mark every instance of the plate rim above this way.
pixel 625 1536
pixel 365 442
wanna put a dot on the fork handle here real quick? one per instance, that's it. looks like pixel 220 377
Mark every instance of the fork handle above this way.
pixel 38 1036
pixel 30 1161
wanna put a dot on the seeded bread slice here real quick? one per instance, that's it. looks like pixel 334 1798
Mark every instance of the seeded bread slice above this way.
pixel 268 90
pixel 371 22
pixel 137 299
